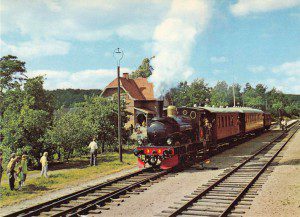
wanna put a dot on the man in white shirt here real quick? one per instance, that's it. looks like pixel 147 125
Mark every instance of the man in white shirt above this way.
pixel 93 146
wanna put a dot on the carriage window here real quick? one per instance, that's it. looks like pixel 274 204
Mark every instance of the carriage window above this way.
pixel 219 122
pixel 222 120
pixel 228 120
pixel 232 120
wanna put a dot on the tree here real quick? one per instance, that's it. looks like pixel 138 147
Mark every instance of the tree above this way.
pixel 219 94
pixel 95 117
pixel 252 99
pixel 238 95
pixel 12 72
pixel 190 94
pixel 70 132
pixel 103 113
pixel 25 119
pixel 144 70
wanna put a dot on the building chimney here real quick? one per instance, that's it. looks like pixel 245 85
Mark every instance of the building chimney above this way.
pixel 126 75
pixel 159 108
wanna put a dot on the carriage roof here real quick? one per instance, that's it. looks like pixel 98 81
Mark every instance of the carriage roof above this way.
pixel 227 110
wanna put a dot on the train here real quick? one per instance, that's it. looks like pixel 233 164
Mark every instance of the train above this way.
pixel 177 136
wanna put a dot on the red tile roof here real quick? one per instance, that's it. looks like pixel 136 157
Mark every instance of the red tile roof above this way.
pixel 138 89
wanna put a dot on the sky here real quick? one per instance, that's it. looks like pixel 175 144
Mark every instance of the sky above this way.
pixel 71 42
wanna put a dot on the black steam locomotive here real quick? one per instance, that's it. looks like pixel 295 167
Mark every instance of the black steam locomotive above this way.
pixel 182 133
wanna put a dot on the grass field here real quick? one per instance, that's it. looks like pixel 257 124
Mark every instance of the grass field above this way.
pixel 72 173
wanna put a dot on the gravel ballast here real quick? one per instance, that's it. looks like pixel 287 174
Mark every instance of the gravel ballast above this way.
pixel 280 195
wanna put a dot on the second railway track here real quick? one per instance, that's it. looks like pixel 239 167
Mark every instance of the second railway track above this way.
pixel 234 190
pixel 94 199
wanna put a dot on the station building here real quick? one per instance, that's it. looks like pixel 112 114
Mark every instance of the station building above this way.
pixel 139 96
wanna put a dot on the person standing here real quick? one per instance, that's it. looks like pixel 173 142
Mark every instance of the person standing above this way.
pixel 11 170
pixel 24 168
pixel 44 162
pixel 1 168
pixel 93 151
pixel 20 176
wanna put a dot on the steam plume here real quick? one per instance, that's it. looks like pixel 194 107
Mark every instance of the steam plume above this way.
pixel 173 41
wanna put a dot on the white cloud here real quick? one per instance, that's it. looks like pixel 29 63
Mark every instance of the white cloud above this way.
pixel 288 68
pixel 285 77
pixel 92 20
pixel 257 69
pixel 35 48
pixel 173 42
pixel 85 79
pixel 136 31
pixel 245 7
pixel 44 22
pixel 221 59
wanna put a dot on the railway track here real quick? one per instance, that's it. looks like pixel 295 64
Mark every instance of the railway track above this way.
pixel 95 199
pixel 234 191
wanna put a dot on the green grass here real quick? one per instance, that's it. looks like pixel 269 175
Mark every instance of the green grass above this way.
pixel 62 176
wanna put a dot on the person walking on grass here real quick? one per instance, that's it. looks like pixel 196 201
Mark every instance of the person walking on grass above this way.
pixel 11 170
pixel 44 163
pixel 93 151
pixel 1 167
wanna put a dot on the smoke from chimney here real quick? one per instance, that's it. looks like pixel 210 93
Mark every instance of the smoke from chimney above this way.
pixel 173 42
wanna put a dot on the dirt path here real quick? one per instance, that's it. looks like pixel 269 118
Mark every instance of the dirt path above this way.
pixel 280 195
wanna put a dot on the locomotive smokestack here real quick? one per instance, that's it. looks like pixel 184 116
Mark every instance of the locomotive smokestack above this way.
pixel 159 108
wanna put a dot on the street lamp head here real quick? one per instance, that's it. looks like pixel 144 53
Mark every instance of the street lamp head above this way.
pixel 118 55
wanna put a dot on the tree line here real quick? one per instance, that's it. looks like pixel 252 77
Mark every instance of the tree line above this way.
pixel 222 95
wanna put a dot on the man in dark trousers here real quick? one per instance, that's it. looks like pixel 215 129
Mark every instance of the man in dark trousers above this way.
pixel 11 170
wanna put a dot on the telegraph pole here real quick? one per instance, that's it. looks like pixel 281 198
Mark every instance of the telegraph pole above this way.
pixel 118 55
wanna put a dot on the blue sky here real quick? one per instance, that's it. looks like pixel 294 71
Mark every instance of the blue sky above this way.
pixel 71 41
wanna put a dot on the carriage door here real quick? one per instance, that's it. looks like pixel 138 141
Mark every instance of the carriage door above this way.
pixel 241 122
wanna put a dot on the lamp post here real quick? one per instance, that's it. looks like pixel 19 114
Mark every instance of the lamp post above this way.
pixel 118 55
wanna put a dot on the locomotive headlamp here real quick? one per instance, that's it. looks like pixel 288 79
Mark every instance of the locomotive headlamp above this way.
pixel 169 141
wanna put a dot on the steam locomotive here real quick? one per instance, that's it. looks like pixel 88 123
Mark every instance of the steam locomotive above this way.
pixel 183 134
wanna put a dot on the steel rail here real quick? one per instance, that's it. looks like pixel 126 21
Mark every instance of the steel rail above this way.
pixel 249 185
pixel 208 189
pixel 35 210
pixel 92 204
